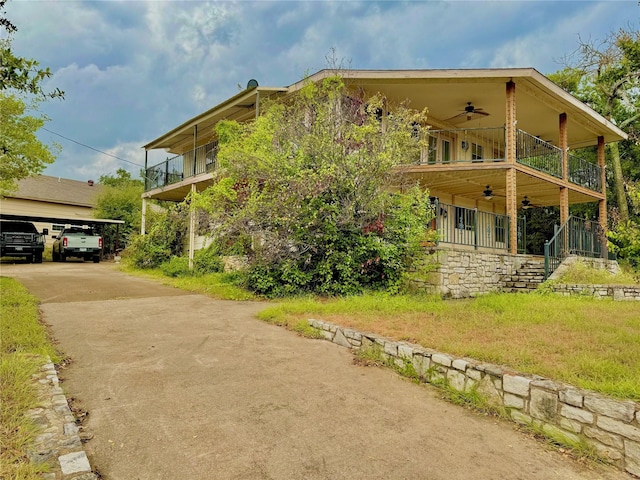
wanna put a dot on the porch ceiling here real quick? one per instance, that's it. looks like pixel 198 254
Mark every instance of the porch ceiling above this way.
pixel 240 107
pixel 470 184
pixel 445 93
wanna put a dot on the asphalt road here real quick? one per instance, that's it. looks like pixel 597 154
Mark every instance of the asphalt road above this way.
pixel 180 386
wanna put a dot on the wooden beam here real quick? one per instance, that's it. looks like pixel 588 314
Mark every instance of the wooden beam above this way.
pixel 602 204
pixel 512 210
pixel 564 145
pixel 511 122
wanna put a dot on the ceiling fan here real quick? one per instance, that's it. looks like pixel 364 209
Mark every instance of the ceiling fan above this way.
pixel 469 112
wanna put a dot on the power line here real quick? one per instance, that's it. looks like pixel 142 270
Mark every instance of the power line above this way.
pixel 94 149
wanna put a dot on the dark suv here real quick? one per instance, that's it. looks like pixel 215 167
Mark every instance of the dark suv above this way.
pixel 21 239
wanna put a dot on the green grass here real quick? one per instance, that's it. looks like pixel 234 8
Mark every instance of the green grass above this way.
pixel 23 343
pixel 581 273
pixel 593 344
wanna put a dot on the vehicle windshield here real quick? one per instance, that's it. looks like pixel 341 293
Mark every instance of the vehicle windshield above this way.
pixel 22 227
pixel 82 231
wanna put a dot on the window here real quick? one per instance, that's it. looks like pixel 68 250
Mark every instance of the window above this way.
pixel 465 218
pixel 476 152
pixel 56 227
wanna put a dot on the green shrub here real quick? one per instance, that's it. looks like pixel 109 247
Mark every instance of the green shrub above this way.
pixel 207 260
pixel 176 267
pixel 165 238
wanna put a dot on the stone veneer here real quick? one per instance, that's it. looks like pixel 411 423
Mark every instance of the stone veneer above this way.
pixel 58 441
pixel 611 427
pixel 615 292
pixel 467 273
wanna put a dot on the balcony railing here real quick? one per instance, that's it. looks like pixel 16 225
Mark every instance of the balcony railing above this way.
pixel 584 173
pixel 469 226
pixel 464 145
pixel 175 169
pixel 538 154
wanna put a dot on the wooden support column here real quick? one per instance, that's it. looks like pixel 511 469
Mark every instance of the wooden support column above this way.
pixel 510 155
pixel 192 230
pixel 195 146
pixel 511 123
pixel 143 222
pixel 602 205
pixel 564 146
pixel 512 210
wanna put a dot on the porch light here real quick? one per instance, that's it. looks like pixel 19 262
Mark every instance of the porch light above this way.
pixel 488 193
pixel 526 204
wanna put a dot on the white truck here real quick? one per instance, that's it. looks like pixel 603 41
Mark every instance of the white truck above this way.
pixel 77 242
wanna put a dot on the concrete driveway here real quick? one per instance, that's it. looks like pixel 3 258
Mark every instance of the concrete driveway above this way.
pixel 180 386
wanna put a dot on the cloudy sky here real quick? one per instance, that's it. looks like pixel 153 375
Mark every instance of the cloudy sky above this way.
pixel 132 70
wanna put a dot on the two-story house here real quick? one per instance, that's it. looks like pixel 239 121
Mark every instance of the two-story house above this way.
pixel 500 140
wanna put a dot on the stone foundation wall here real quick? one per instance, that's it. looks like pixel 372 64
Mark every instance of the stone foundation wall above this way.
pixel 611 427
pixel 467 273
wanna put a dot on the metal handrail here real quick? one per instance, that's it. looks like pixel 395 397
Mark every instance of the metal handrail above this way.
pixel 577 236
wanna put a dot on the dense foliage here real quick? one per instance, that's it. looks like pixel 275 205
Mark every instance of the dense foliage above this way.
pixel 165 237
pixel 119 200
pixel 310 192
pixel 606 76
pixel 21 153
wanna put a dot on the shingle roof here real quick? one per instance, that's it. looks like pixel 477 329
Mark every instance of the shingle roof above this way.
pixel 44 188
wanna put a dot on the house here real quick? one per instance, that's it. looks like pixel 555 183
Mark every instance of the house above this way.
pixel 500 140
pixel 53 203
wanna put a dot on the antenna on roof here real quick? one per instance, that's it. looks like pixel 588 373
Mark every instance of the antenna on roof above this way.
pixel 253 83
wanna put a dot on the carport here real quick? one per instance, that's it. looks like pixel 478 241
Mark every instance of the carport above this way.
pixel 97 223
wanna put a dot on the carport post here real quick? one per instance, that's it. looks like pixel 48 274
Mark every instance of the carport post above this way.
pixel 143 222
pixel 192 230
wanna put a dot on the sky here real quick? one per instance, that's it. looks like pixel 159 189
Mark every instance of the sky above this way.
pixel 133 70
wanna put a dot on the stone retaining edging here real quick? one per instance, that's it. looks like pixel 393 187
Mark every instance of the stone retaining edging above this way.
pixel 615 292
pixel 59 437
pixel 610 426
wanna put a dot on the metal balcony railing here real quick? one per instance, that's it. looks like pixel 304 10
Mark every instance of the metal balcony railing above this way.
pixel 175 169
pixel 538 154
pixel 584 173
pixel 464 145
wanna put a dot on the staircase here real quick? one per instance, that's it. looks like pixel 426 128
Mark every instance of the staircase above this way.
pixel 526 278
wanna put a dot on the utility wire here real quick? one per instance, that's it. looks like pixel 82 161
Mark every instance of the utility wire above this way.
pixel 94 149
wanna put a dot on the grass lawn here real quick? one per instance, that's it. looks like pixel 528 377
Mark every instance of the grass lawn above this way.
pixel 23 341
pixel 593 344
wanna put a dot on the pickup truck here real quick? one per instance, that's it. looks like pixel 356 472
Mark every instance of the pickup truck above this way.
pixel 21 239
pixel 77 242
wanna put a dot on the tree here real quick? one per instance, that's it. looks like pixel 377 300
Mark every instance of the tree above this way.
pixel 310 192
pixel 18 73
pixel 119 200
pixel 21 153
pixel 607 77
